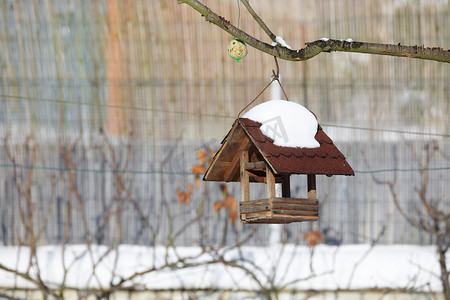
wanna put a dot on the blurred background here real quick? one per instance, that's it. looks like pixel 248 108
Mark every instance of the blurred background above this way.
pixel 111 110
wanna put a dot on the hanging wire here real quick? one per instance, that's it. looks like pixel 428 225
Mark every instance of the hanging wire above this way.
pixel 275 77
pixel 239 114
pixel 239 13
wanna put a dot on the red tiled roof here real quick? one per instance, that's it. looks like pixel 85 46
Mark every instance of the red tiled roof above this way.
pixel 246 135
pixel 326 159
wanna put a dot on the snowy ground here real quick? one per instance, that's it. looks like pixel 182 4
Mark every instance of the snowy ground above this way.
pixel 351 267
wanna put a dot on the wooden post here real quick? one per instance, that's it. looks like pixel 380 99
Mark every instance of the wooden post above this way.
pixel 245 180
pixel 311 186
pixel 286 186
pixel 270 180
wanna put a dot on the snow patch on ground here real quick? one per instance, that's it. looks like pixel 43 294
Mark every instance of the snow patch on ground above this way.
pixel 288 123
pixel 349 267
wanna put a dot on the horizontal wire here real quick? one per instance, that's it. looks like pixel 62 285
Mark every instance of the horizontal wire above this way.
pixel 44 168
pixel 113 106
pixel 69 82
pixel 411 170
pixel 17 98
pixel 402 170
pixel 388 130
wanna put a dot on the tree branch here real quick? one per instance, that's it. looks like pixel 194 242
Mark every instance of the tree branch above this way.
pixel 314 48
pixel 259 20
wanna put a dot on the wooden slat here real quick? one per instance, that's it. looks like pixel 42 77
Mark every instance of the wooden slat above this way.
pixel 252 209
pixel 257 179
pixel 219 169
pixel 286 206
pixel 295 212
pixel 270 184
pixel 234 165
pixel 295 201
pixel 222 157
pixel 245 184
pixel 269 219
pixel 257 165
pixel 279 210
pixel 255 202
pixel 258 215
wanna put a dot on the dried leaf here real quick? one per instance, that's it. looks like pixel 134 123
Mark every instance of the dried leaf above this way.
pixel 314 238
pixel 185 196
pixel 223 188
pixel 197 181
pixel 197 169
pixel 233 214
pixel 226 204
pixel 201 155
pixel 230 202
pixel 217 206
pixel 181 196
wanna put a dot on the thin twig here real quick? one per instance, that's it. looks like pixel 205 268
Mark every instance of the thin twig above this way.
pixel 364 256
pixel 259 20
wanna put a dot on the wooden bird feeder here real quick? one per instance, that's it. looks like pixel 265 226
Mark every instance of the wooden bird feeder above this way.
pixel 247 155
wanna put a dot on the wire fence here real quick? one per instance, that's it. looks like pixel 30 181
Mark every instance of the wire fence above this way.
pixel 104 106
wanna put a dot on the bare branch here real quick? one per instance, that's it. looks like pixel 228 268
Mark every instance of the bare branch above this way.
pixel 259 20
pixel 364 256
pixel 323 45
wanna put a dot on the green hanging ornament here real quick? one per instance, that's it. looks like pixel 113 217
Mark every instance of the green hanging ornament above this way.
pixel 237 49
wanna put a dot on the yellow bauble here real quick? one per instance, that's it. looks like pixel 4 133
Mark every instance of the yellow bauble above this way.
pixel 237 49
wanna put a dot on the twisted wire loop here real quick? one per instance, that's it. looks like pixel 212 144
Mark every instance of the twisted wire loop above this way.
pixel 274 77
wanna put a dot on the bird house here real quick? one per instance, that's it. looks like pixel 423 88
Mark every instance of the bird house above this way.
pixel 248 155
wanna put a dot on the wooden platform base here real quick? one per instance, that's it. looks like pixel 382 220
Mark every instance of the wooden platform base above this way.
pixel 277 210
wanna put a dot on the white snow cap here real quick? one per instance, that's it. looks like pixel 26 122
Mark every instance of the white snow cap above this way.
pixel 288 123
pixel 324 39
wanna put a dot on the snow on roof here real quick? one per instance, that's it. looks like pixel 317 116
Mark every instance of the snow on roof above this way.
pixel 288 123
